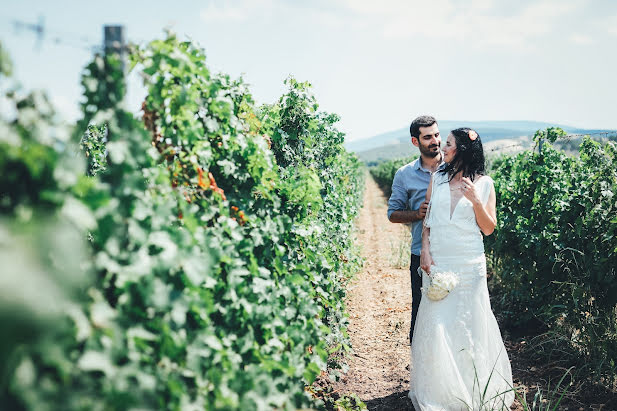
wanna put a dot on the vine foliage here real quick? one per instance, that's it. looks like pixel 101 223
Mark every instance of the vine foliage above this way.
pixel 555 249
pixel 216 273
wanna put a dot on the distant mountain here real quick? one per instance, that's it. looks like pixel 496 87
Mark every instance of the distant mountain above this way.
pixel 388 152
pixel 488 130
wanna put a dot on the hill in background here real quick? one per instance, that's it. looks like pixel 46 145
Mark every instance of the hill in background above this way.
pixel 397 143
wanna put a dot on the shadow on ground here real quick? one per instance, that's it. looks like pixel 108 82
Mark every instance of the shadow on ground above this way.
pixel 393 402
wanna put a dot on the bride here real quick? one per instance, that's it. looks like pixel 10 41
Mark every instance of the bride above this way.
pixel 458 359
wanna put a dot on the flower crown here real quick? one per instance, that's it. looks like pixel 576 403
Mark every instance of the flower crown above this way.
pixel 472 135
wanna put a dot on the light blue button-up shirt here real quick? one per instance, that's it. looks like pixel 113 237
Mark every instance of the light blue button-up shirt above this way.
pixel 408 193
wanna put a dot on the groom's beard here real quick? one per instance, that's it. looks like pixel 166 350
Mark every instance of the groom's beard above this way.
pixel 430 151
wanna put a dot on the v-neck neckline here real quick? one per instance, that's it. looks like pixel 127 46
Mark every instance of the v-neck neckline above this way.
pixel 450 210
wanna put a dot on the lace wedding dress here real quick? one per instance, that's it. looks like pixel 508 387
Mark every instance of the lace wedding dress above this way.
pixel 458 359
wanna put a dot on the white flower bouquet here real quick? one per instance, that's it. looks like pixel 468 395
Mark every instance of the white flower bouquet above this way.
pixel 441 284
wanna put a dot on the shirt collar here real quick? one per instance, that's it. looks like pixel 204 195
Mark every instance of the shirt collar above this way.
pixel 418 165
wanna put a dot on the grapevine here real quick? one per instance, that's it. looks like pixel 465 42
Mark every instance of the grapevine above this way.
pixel 214 276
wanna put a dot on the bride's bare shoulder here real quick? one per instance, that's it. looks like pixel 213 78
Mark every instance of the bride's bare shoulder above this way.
pixel 484 178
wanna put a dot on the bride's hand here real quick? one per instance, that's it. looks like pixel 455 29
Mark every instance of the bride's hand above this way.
pixel 469 190
pixel 426 261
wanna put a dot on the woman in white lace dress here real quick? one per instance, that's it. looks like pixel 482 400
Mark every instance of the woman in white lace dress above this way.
pixel 458 359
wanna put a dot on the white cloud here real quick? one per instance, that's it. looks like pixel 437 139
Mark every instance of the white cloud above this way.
pixel 223 12
pixel 242 10
pixel 239 11
pixel 612 25
pixel 581 39
pixel 479 22
pixel 245 10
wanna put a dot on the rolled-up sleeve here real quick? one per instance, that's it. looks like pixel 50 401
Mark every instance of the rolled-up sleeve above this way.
pixel 398 198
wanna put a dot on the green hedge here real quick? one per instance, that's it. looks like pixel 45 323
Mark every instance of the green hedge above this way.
pixel 219 237
pixel 383 173
pixel 554 251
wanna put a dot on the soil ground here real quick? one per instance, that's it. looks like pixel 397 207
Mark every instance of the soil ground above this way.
pixel 379 304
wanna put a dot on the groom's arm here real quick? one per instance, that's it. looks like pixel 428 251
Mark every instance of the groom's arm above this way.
pixel 408 216
pixel 397 204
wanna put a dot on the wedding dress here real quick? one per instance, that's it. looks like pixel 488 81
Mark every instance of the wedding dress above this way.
pixel 458 359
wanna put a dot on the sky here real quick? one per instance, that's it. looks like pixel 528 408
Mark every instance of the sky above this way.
pixel 377 64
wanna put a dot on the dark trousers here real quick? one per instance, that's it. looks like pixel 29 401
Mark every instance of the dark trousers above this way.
pixel 416 293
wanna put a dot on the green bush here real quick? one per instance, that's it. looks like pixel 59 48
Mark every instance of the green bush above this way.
pixel 554 251
pixel 215 276
pixel 383 173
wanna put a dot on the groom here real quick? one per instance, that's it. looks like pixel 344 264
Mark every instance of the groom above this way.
pixel 407 203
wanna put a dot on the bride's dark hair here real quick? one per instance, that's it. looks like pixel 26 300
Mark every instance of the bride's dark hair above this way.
pixel 469 158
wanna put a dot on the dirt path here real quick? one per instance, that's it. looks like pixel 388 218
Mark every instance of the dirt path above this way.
pixel 379 303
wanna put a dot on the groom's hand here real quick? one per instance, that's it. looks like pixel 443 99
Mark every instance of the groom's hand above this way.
pixel 409 216
pixel 422 210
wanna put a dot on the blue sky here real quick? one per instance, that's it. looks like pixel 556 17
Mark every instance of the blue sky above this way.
pixel 377 64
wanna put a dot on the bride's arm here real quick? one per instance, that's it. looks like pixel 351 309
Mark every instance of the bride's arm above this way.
pixel 486 214
pixel 426 260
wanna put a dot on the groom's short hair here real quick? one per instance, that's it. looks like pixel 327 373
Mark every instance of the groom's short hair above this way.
pixel 422 121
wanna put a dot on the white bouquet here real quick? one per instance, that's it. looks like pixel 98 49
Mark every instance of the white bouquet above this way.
pixel 442 283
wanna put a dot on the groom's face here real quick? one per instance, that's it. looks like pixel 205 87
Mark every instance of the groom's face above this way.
pixel 429 141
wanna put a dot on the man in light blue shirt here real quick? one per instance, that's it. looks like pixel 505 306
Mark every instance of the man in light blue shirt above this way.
pixel 407 203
